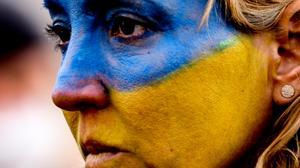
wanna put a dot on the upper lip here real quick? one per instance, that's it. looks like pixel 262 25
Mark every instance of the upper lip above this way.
pixel 95 147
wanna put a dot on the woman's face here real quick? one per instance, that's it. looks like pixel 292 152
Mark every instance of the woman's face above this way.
pixel 142 85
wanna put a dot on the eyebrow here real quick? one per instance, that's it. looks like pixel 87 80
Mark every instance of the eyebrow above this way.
pixel 154 7
pixel 53 6
pixel 89 3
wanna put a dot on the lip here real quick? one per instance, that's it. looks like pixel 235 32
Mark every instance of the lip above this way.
pixel 97 153
pixel 98 160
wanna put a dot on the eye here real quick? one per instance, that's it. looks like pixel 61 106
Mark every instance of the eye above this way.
pixel 60 31
pixel 127 28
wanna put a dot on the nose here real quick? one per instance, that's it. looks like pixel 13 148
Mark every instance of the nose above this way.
pixel 79 84
pixel 83 95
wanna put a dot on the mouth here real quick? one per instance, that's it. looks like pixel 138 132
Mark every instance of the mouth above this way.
pixel 97 154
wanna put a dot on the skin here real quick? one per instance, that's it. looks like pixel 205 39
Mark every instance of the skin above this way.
pixel 172 96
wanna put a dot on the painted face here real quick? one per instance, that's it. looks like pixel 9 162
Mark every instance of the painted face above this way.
pixel 143 86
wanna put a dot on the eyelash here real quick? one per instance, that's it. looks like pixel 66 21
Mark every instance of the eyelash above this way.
pixel 59 43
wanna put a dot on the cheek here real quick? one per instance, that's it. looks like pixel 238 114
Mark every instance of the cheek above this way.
pixel 216 105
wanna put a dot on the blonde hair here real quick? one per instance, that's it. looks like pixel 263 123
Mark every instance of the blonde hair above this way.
pixel 284 150
pixel 255 16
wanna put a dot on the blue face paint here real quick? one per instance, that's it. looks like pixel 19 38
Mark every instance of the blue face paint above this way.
pixel 167 38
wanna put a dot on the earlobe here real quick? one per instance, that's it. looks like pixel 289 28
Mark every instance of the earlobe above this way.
pixel 286 87
pixel 286 77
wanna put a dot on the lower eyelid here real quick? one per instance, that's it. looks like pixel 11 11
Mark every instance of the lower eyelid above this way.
pixel 131 40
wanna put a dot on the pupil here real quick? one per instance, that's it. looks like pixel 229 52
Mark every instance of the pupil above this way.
pixel 63 34
pixel 127 27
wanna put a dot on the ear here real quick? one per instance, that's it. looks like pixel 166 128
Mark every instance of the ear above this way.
pixel 286 74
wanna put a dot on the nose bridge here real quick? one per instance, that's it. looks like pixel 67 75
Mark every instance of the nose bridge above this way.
pixel 84 54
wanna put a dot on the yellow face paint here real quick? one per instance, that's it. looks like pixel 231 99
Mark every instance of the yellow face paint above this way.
pixel 202 115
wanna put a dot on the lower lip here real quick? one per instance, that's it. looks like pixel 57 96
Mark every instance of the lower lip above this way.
pixel 113 160
pixel 99 160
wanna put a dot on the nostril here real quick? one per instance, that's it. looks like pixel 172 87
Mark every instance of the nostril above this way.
pixel 92 95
